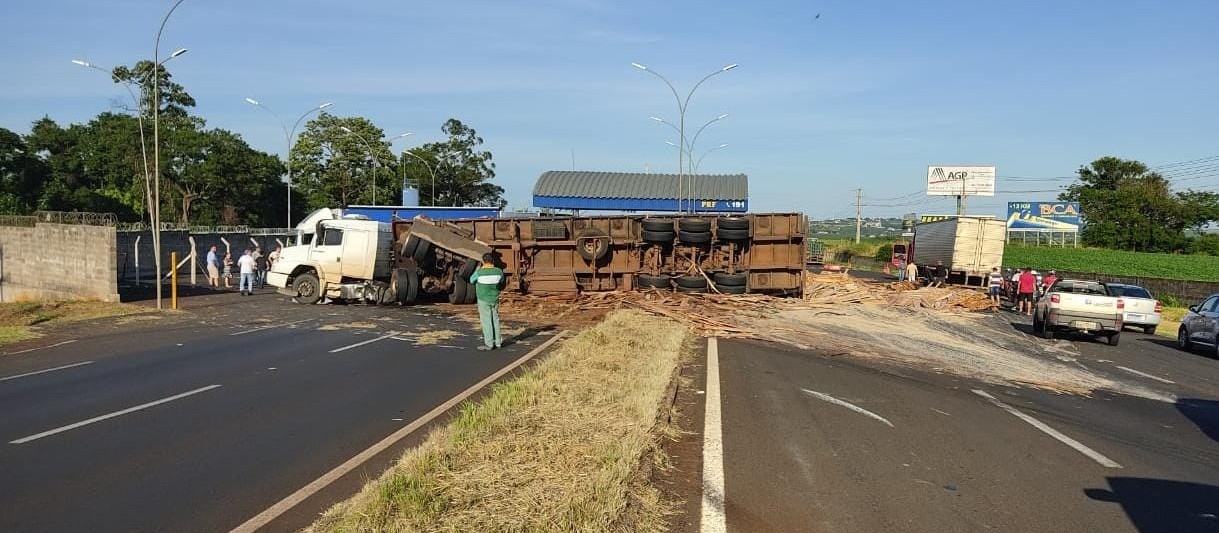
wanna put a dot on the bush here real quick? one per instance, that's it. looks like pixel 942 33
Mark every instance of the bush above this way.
pixel 884 253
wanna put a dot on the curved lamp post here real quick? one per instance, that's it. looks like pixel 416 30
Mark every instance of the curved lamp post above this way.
pixel 290 137
pixel 705 154
pixel 682 106
pixel 372 154
pixel 156 146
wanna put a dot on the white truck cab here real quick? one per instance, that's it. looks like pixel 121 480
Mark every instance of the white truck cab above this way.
pixel 347 258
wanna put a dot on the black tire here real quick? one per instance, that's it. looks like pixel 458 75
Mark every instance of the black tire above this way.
pixel 694 225
pixel 468 269
pixel 659 236
pixel 691 282
pixel 308 288
pixel 471 295
pixel 732 234
pixel 599 241
pixel 692 290
pixel 730 289
pixel 1115 338
pixel 1183 341
pixel 732 223
pixel 401 286
pixel 734 280
pixel 412 287
pixel 1150 330
pixel 644 281
pixel 460 287
pixel 421 251
pixel 656 224
pixel 1047 331
pixel 694 238
pixel 408 247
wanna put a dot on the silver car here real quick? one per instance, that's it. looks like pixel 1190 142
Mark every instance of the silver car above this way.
pixel 1142 310
pixel 1200 326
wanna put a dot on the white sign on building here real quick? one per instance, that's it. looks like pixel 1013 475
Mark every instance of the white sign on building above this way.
pixel 961 180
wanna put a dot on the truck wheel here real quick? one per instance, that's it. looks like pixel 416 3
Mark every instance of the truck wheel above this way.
pixel 421 251
pixel 1150 330
pixel 732 223
pixel 406 286
pixel 691 282
pixel 471 295
pixel 732 234
pixel 1114 338
pixel 730 289
pixel 733 280
pixel 409 247
pixel 658 236
pixel 694 225
pixel 689 237
pixel 692 290
pixel 460 286
pixel 658 225
pixel 592 244
pixel 308 288
pixel 644 281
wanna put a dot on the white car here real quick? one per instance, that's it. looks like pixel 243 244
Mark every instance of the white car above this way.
pixel 1142 309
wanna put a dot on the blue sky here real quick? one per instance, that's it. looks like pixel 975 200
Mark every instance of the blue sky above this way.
pixel 866 96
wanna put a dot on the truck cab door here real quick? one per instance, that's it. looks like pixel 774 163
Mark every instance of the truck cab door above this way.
pixel 357 259
pixel 327 254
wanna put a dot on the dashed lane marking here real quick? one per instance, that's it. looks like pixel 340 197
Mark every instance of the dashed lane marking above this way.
pixel 96 419
pixel 362 343
pixel 273 326
pixel 73 365
pixel 1078 446
pixel 28 350
pixel 1146 375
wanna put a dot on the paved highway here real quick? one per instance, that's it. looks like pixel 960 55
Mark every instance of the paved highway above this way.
pixel 818 443
pixel 201 426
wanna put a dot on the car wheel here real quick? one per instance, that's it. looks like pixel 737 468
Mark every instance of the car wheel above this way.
pixel 1047 331
pixel 1150 330
pixel 1114 338
pixel 1183 339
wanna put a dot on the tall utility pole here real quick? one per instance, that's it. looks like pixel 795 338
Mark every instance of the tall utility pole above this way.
pixel 858 213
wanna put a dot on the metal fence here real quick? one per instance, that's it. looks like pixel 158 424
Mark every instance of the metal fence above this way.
pixel 82 218
pixel 19 221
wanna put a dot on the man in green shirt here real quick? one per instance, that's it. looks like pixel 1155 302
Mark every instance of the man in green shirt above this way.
pixel 487 281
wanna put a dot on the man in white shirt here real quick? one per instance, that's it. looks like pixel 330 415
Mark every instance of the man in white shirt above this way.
pixel 246 263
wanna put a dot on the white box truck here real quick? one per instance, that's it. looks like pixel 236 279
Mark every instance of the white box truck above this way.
pixel 969 246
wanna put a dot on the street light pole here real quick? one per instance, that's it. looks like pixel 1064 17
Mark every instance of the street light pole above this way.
pixel 156 148
pixel 682 106
pixel 372 154
pixel 705 154
pixel 290 137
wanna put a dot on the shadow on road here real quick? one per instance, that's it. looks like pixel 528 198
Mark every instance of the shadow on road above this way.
pixel 1163 506
pixel 1205 415
pixel 1200 351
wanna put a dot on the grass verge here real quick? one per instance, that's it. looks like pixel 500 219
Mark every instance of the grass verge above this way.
pixel 557 449
pixel 18 319
pixel 1114 262
pixel 1170 321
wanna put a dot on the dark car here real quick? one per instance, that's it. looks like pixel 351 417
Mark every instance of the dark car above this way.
pixel 1200 326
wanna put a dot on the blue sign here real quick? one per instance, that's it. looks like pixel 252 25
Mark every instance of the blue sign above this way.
pixel 1048 216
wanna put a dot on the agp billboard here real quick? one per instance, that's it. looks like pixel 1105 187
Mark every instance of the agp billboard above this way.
pixel 1054 216
pixel 961 180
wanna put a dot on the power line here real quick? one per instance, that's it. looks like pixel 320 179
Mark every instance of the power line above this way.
pixel 1186 163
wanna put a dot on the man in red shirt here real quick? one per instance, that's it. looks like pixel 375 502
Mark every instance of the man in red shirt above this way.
pixel 1024 295
pixel 1047 281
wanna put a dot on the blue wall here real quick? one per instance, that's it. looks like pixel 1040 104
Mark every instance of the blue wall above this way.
pixel 639 204
pixel 386 213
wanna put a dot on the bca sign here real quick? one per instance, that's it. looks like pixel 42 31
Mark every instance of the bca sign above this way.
pixel 969 180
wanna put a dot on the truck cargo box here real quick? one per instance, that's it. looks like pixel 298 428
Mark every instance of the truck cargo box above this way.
pixel 969 246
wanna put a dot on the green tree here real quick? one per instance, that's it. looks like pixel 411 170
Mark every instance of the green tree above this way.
pixel 463 173
pixel 217 170
pixel 174 98
pixel 333 168
pixel 22 174
pixel 1128 206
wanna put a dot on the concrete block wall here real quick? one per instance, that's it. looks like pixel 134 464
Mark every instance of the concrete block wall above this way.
pixel 57 262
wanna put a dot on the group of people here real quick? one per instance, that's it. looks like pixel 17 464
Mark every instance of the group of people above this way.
pixel 252 267
pixel 937 274
pixel 1022 286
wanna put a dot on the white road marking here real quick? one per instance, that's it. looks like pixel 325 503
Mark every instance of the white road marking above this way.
pixel 362 343
pixel 6 378
pixel 1078 446
pixel 292 500
pixel 273 326
pixel 853 407
pixel 940 412
pixel 712 519
pixel 95 419
pixel 28 350
pixel 1146 375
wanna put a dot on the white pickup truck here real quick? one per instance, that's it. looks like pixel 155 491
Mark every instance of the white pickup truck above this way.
pixel 1083 306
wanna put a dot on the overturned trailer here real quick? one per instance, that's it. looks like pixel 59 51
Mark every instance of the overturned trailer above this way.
pixel 756 253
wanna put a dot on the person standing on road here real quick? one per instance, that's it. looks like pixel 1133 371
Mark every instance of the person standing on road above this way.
pixel 262 265
pixel 1026 287
pixel 247 266
pixel 228 271
pixel 996 285
pixel 1048 281
pixel 941 274
pixel 273 258
pixel 912 272
pixel 487 281
pixel 213 267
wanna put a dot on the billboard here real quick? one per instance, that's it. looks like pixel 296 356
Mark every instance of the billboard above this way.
pixel 1046 216
pixel 961 180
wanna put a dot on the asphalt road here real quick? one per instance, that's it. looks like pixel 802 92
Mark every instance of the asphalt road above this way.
pixel 204 423
pixel 819 443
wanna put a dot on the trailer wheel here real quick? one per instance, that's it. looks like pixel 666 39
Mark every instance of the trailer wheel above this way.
pixel 468 269
pixel 730 289
pixel 471 295
pixel 421 251
pixel 732 234
pixel 691 282
pixel 661 225
pixel 308 288
pixel 406 286
pixel 694 225
pixel 645 281
pixel 733 280
pixel 658 236
pixel 732 223
pixel 694 237
pixel 691 290
pixel 460 287
pixel 592 244
pixel 409 247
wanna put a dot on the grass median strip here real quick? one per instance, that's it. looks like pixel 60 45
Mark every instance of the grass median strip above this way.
pixel 20 320
pixel 557 449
